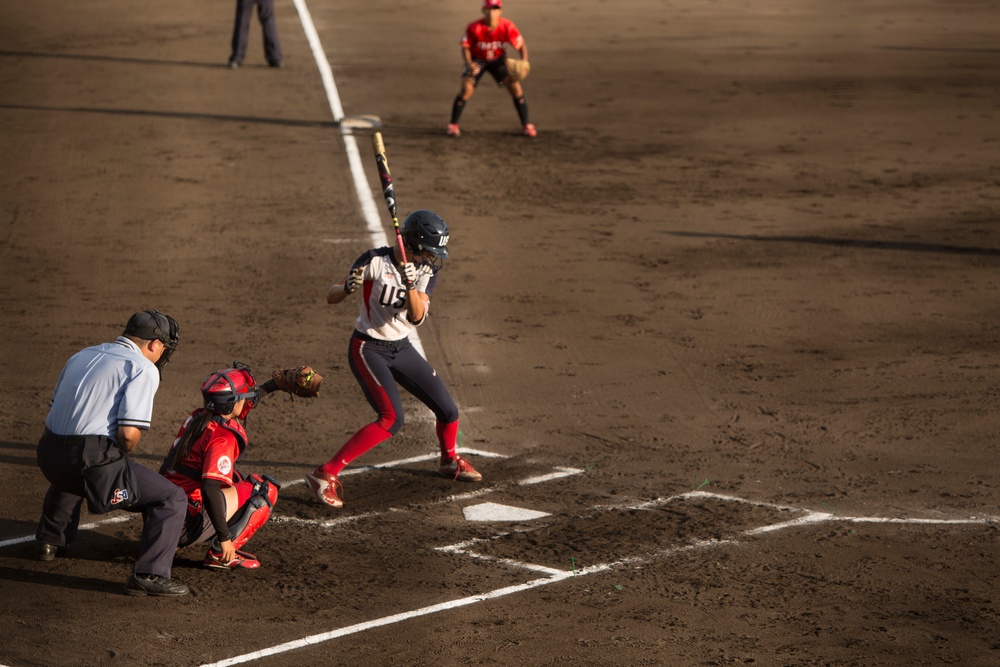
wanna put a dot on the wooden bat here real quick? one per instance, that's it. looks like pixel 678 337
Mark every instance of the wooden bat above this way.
pixel 388 190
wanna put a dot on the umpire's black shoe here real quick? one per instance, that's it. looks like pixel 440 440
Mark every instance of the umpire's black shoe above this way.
pixel 151 584
pixel 46 551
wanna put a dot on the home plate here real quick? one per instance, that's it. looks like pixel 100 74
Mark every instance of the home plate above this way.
pixel 495 512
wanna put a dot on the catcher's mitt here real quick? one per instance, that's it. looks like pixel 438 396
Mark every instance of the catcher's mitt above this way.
pixel 518 69
pixel 302 381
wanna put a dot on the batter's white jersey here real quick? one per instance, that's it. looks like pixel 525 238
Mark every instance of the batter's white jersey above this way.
pixel 383 305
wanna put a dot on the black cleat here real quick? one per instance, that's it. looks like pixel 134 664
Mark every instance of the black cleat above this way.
pixel 46 551
pixel 151 584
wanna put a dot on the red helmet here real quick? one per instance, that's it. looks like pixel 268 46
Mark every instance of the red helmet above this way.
pixel 224 388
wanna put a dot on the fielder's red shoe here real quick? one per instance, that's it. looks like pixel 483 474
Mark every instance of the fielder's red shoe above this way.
pixel 530 131
pixel 453 130
pixel 243 561
pixel 327 488
pixel 460 470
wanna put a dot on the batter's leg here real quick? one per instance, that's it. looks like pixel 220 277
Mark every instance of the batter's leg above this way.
pixel 370 364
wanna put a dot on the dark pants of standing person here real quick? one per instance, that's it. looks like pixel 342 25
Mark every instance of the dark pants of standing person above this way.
pixel 162 503
pixel 241 31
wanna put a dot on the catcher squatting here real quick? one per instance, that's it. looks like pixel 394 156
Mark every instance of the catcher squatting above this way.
pixel 199 496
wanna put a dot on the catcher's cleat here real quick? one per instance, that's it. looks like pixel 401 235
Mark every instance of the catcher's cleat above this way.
pixel 243 561
pixel 453 130
pixel 460 470
pixel 327 488
pixel 530 131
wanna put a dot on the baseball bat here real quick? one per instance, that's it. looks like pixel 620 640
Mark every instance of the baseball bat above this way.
pixel 388 190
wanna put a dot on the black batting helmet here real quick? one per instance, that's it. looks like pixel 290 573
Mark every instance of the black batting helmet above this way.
pixel 425 231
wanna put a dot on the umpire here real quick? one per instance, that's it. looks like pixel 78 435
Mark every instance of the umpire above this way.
pixel 101 404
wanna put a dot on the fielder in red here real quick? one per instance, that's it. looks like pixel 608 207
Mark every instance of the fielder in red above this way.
pixel 223 505
pixel 484 50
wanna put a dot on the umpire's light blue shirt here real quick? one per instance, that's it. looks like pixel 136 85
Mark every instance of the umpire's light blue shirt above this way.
pixel 104 387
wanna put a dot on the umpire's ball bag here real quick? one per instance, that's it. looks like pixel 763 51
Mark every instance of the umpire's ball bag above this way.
pixel 107 477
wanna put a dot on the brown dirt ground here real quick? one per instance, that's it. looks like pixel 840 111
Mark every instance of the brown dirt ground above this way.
pixel 754 251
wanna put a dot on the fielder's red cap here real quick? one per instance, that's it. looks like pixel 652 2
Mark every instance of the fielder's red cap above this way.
pixel 492 3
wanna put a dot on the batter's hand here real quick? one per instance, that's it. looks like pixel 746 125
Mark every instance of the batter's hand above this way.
pixel 354 280
pixel 409 272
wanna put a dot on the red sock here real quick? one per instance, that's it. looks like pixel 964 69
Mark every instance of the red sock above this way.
pixel 447 437
pixel 366 438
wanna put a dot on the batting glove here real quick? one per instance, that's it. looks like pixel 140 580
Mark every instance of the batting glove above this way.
pixel 354 280
pixel 409 272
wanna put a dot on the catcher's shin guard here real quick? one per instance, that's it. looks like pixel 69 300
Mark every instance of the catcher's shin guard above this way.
pixel 254 513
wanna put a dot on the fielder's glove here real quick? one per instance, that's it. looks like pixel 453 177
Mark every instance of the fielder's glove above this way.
pixel 302 381
pixel 518 69
pixel 354 280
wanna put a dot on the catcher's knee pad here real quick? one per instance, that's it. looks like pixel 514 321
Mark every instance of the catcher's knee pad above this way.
pixel 254 513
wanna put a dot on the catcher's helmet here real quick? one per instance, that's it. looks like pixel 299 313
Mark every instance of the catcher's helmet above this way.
pixel 224 388
pixel 424 231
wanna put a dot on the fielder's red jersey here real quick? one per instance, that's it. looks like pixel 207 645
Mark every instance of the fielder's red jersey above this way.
pixel 488 44
pixel 214 454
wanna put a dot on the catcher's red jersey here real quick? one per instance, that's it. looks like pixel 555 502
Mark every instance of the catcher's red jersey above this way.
pixel 488 44
pixel 214 454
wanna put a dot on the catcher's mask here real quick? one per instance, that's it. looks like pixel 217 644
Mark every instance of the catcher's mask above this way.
pixel 224 388
pixel 426 232
pixel 154 325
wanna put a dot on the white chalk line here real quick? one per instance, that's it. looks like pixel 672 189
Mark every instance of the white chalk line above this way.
pixel 369 209
pixel 86 526
pixel 301 480
pixel 340 521
pixel 555 576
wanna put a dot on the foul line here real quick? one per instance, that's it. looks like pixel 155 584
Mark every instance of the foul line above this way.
pixel 555 576
pixel 369 209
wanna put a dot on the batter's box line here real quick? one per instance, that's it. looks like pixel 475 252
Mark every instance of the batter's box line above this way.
pixel 555 576
pixel 826 516
pixel 809 517
pixel 400 462
pixel 559 472
pixel 340 521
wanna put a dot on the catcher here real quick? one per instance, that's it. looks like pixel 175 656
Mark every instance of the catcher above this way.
pixel 222 504
pixel 483 50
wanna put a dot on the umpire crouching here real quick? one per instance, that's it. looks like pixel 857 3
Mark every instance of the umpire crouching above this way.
pixel 102 403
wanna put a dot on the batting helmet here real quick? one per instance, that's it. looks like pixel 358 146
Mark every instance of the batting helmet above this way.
pixel 223 389
pixel 425 231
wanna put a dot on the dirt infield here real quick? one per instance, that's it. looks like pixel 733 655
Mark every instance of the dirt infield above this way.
pixel 729 325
